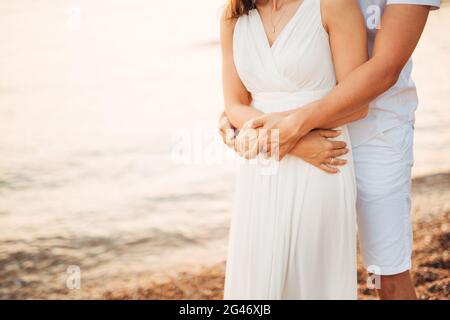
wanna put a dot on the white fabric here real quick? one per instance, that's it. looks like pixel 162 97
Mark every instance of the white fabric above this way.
pixel 396 106
pixel 383 173
pixel 382 152
pixel 293 230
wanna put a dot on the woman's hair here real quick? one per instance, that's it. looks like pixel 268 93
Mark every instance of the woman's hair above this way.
pixel 237 8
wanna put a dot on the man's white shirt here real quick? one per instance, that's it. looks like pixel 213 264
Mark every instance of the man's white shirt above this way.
pixel 398 105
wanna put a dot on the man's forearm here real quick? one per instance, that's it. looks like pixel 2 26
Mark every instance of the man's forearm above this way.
pixel 334 123
pixel 394 44
pixel 344 104
pixel 358 115
pixel 351 95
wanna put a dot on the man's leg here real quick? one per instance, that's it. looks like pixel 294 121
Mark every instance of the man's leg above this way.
pixel 383 173
pixel 397 287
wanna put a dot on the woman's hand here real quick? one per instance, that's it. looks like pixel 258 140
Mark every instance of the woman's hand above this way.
pixel 316 149
pixel 227 131
pixel 247 144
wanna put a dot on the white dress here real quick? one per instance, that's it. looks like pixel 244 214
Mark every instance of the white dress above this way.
pixel 293 230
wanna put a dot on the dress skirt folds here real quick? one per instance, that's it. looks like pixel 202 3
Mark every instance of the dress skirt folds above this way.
pixel 293 230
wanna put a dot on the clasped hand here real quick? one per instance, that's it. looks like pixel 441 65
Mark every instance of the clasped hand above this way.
pixel 275 135
pixel 272 134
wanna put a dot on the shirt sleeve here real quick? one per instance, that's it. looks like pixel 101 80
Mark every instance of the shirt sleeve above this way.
pixel 434 4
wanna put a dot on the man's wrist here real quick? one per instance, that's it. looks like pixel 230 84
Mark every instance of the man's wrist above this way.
pixel 301 121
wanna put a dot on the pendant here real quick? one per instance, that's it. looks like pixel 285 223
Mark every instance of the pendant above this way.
pixel 273 30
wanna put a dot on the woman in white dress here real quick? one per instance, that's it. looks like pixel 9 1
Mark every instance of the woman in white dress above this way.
pixel 293 231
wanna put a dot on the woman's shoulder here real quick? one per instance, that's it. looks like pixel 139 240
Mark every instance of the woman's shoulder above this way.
pixel 336 10
pixel 227 26
pixel 227 23
pixel 339 4
pixel 334 7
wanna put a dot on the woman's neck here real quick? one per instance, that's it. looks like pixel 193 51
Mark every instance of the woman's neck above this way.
pixel 275 5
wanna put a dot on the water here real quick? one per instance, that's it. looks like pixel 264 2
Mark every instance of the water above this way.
pixel 88 112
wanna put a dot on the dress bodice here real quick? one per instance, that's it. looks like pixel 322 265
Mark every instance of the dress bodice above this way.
pixel 296 69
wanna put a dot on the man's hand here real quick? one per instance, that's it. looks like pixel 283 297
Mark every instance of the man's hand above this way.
pixel 316 149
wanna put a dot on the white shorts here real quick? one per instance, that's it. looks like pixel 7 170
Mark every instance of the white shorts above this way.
pixel 383 174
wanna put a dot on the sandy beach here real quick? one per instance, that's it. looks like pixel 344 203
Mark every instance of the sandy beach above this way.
pixel 431 270
pixel 92 95
pixel 431 263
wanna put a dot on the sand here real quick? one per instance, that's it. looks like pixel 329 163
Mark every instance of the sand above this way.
pixel 431 256
pixel 204 279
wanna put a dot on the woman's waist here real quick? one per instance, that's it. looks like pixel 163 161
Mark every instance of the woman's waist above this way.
pixel 278 101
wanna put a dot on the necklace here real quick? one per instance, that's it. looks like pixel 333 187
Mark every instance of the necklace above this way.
pixel 274 26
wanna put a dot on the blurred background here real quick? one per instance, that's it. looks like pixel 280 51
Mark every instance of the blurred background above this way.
pixel 95 199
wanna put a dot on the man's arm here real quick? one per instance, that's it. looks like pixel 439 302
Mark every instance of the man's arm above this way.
pixel 347 35
pixel 402 26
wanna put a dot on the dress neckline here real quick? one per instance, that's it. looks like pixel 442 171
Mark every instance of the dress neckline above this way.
pixel 288 24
